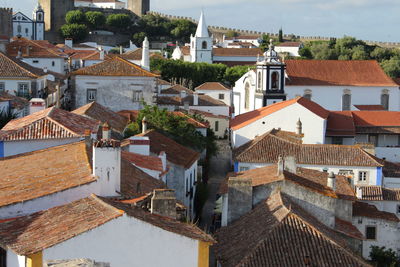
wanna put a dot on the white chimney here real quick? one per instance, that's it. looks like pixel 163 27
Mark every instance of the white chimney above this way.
pixel 145 54
pixel 107 167
pixel 195 99
pixel 121 50
pixel 36 104
pixel 144 125
pixel 139 145
pixel 280 166
pixel 163 157
pixel 68 42
pixel 183 94
pixel 332 181
pixel 359 192
pixel 106 134
pixel 45 69
pixel 290 164
pixel 102 54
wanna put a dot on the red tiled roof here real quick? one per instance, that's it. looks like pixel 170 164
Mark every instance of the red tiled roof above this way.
pixel 391 169
pixel 37 49
pixel 176 153
pixel 362 209
pixel 147 162
pixel 48 124
pixel 208 114
pixel 212 86
pixel 34 233
pixel 44 172
pixel 369 107
pixel 378 193
pixel 336 73
pixel 12 67
pixel 204 100
pixel 347 228
pixel 268 147
pixel 278 232
pixel 340 123
pixel 176 90
pixel 252 116
pixel 237 52
pixel 115 66
pixel 100 113
pixel 133 55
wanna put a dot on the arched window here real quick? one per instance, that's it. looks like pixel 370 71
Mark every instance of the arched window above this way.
pixel 385 99
pixel 39 17
pixel 246 96
pixel 346 100
pixel 19 28
pixel 259 82
pixel 204 45
pixel 307 94
pixel 275 80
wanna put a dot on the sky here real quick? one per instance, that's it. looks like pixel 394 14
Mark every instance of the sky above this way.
pixel 375 20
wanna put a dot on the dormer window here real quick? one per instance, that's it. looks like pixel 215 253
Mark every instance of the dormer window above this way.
pixel 275 80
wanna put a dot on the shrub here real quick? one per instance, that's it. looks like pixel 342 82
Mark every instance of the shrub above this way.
pixel 119 21
pixel 77 32
pixel 95 19
pixel 75 17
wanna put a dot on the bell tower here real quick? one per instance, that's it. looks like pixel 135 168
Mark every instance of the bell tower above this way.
pixel 38 17
pixel 201 44
pixel 271 77
pixel 139 7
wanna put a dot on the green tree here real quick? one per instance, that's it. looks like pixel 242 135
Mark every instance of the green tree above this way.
pixel 182 29
pixel 231 34
pixel 119 22
pixel 77 32
pixel 233 74
pixel 264 42
pixel 116 51
pixel 138 38
pixel 280 35
pixel 75 17
pixel 383 257
pixel 322 51
pixel 95 19
pixel 380 53
pixel 305 52
pixel 392 67
pixel 359 53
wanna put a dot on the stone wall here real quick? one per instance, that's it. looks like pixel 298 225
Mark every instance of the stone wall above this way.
pixel 6 28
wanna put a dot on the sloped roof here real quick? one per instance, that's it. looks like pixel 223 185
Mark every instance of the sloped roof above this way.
pixel 312 179
pixel 100 113
pixel 268 147
pixel 133 55
pixel 176 90
pixel 212 86
pixel 237 52
pixel 278 232
pixel 36 174
pixel 252 116
pixel 204 100
pixel 37 49
pixel 51 123
pixel 379 193
pixel 176 153
pixel 12 67
pixel 202 28
pixel 370 211
pixel 147 162
pixel 369 107
pixel 391 169
pixel 31 234
pixel 115 66
pixel 336 73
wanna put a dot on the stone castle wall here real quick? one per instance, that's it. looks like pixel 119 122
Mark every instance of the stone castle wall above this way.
pixel 6 28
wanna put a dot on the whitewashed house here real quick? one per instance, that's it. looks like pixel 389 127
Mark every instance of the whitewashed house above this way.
pixel 217 91
pixel 114 83
pixel 114 4
pixel 26 27
pixel 334 84
pixel 290 48
pixel 86 227
pixel 253 39
pixel 218 123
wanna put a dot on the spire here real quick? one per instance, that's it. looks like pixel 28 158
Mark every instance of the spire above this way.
pixel 202 29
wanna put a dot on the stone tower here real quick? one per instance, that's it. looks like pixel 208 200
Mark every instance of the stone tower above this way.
pixel 6 25
pixel 139 7
pixel 55 11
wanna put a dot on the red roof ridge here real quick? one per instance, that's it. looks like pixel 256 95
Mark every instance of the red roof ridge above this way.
pixel 136 66
pixel 101 202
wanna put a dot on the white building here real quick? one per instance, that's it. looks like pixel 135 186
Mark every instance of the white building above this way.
pixel 114 83
pixel 201 43
pixel 114 4
pixel 217 91
pixel 290 48
pixel 32 29
pixel 334 84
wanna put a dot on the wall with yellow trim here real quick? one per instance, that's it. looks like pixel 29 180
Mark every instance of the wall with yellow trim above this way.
pixel 34 260
pixel 204 254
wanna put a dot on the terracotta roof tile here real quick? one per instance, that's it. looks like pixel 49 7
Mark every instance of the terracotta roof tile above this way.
pixel 347 228
pixel 391 169
pixel 100 113
pixel 207 114
pixel 12 67
pixel 142 161
pixel 268 147
pixel 340 123
pixel 336 73
pixel 378 193
pixel 204 100
pixel 176 90
pixel 44 172
pixel 133 55
pixel 31 234
pixel 252 116
pixel 212 86
pixel 37 49
pixel 176 153
pixel 362 209
pixel 277 232
pixel 115 66
pixel 237 52
pixel 48 124
pixel 369 107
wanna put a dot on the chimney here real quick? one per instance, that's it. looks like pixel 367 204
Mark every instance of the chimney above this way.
pixel 280 166
pixel 163 157
pixel 240 198
pixel 163 202
pixel 36 104
pixel 28 50
pixel 45 69
pixel 139 145
pixel 290 164
pixel 101 54
pixel 183 94
pixel 299 127
pixel 145 63
pixel 121 50
pixel 332 181
pixel 68 42
pixel 186 105
pixel 19 55
pixel 106 133
pixel 359 192
pixel 144 125
pixel 195 99
pixel 107 166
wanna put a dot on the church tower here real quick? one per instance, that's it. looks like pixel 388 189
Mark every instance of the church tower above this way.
pixel 139 7
pixel 271 77
pixel 38 20
pixel 201 44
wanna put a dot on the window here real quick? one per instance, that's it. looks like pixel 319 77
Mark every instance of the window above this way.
pixel 242 169
pixel 362 176
pixel 216 128
pixel 385 99
pixel 221 96
pixel 259 85
pixel 2 87
pixel 35 61
pixel 204 45
pixel 137 96
pixel 23 90
pixel 346 100
pixel 275 80
pixel 26 31
pixel 307 94
pixel 246 96
pixel 91 95
pixel 19 29
pixel 398 209
pixel 39 17
pixel 370 232
pixel 53 63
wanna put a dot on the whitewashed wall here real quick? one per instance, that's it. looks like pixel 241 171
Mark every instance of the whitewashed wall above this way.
pixel 390 153
pixel 215 94
pixel 216 110
pixel 59 63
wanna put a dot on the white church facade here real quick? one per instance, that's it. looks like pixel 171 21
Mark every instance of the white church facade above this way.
pixel 32 29
pixel 334 84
